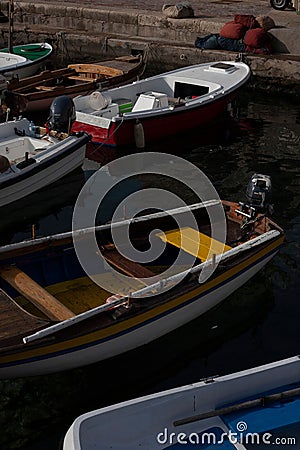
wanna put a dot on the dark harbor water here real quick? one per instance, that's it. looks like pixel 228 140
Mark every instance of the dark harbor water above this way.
pixel 257 324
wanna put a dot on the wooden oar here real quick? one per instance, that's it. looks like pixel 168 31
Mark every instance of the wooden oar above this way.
pixel 35 293
pixel 262 401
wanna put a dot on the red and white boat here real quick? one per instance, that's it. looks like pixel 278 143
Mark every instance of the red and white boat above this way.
pixel 160 106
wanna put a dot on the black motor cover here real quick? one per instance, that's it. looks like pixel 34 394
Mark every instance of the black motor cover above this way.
pixel 259 191
pixel 62 114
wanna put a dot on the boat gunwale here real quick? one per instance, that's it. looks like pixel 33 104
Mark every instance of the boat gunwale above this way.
pixel 65 238
pixel 54 240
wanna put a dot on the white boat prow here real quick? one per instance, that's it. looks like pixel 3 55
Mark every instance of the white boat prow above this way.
pixel 184 414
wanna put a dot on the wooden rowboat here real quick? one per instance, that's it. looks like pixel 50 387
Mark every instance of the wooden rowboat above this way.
pixel 53 317
pixel 251 409
pixel 36 93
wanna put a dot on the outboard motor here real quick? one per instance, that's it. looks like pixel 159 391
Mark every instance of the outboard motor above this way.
pixel 259 192
pixel 62 114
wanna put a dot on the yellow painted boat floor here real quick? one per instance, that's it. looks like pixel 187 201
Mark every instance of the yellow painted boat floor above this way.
pixel 78 295
pixel 82 294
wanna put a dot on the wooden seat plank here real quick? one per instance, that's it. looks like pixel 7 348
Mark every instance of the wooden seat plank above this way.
pixel 47 88
pixel 96 68
pixel 193 242
pixel 35 293
pixel 86 79
pixel 130 268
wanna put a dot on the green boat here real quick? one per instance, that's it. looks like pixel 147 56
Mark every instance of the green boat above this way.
pixel 24 60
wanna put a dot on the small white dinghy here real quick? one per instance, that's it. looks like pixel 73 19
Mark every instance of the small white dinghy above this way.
pixel 30 160
pixel 252 409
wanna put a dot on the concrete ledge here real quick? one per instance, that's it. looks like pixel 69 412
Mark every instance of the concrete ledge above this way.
pixel 133 23
pixel 286 40
pixel 96 33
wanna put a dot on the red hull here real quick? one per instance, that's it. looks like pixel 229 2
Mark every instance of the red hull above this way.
pixel 157 127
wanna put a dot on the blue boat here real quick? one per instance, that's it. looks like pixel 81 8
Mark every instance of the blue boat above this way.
pixel 257 408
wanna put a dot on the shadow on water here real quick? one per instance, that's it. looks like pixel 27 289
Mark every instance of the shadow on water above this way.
pixel 255 325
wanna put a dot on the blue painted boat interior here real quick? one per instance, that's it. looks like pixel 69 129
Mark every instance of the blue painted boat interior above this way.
pixel 48 267
pixel 279 418
pixel 59 264
pixel 268 418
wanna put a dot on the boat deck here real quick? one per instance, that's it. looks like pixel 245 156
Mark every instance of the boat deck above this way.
pixel 13 317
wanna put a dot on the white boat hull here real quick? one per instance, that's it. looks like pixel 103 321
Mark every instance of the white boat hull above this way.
pixel 165 104
pixel 23 72
pixel 148 422
pixel 133 337
pixel 33 162
pixel 14 64
pixel 42 178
